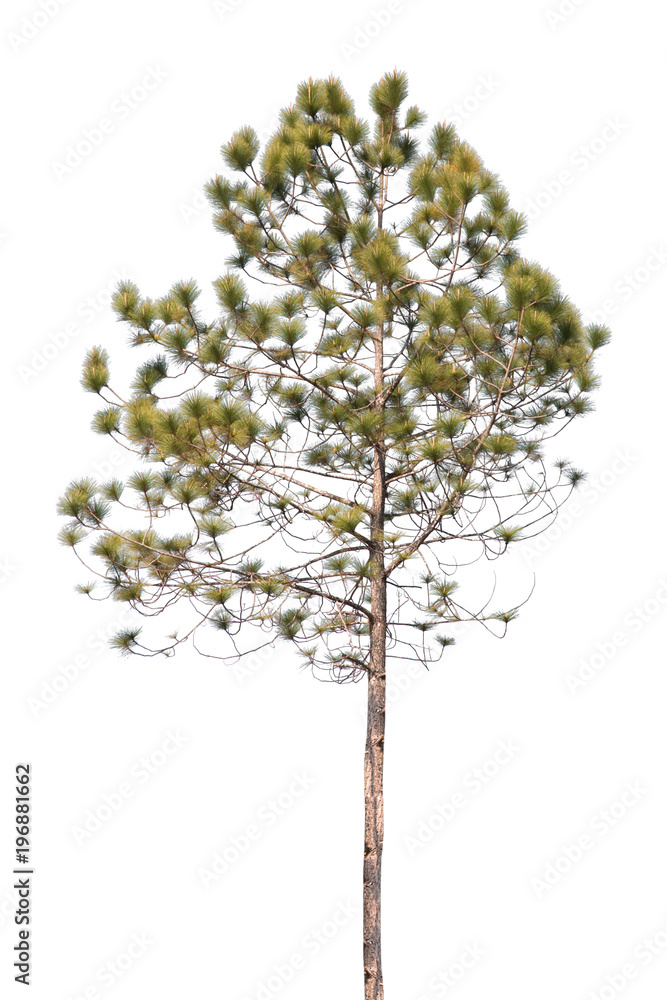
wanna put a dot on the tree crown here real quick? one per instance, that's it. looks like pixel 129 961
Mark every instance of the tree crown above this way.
pixel 382 401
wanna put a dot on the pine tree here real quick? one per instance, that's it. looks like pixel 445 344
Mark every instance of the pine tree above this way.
pixel 374 395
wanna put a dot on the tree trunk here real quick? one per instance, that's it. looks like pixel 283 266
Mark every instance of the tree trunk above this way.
pixel 374 824
pixel 377 681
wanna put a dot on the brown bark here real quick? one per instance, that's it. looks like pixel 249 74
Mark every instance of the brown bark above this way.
pixel 374 821
pixel 374 757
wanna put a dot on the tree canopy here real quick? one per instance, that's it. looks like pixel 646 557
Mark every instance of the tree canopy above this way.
pixel 373 397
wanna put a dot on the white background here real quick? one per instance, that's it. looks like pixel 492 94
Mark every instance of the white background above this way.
pixel 534 92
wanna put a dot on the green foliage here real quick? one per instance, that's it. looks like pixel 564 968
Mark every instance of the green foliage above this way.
pixel 289 624
pixel 125 641
pixel 149 374
pixel 71 534
pixel 107 421
pixel 500 444
pixel 505 616
pixel 113 490
pixel 126 300
pixel 80 501
pixel 377 390
pixel 95 375
pixel 241 150
pixel 508 534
